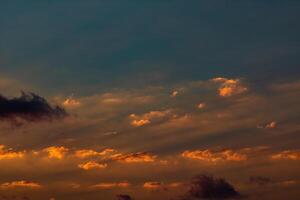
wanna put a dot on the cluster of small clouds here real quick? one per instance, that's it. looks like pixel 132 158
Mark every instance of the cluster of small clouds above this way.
pixel 169 114
pixel 215 156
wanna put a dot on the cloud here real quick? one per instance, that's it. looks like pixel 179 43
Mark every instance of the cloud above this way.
pixel 29 107
pixel 56 152
pixel 85 153
pixel 201 105
pixel 175 93
pixel 215 156
pixel 229 87
pixel 147 118
pixel 9 154
pixel 92 165
pixel 124 197
pixel 153 185
pixel 71 102
pixel 270 125
pixel 208 187
pixel 111 185
pixel 20 184
pixel 134 157
pixel 141 122
pixel 287 155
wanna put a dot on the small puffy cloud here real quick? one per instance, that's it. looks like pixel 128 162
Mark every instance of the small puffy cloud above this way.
pixel 271 125
pixel 139 157
pixel 147 118
pixel 29 107
pixel 215 156
pixel 287 155
pixel 92 165
pixel 56 152
pixel 85 153
pixel 175 93
pixel 20 184
pixel 141 122
pixel 108 185
pixel 201 105
pixel 9 153
pixel 71 102
pixel 229 87
pixel 208 187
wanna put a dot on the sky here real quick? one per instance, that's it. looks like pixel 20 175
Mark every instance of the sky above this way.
pixel 143 100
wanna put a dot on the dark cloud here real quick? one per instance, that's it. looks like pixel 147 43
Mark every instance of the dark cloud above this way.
pixel 260 180
pixel 208 187
pixel 124 197
pixel 29 107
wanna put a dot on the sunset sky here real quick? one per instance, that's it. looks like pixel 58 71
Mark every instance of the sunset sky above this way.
pixel 149 99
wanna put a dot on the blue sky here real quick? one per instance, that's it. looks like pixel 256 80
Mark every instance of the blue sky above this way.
pixel 99 44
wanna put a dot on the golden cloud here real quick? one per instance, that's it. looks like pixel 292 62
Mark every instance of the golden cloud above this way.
pixel 159 185
pixel 85 153
pixel 215 156
pixel 201 106
pixel 9 153
pixel 124 184
pixel 71 102
pixel 56 152
pixel 175 93
pixel 134 157
pixel 287 155
pixel 147 118
pixel 20 184
pixel 229 87
pixel 92 165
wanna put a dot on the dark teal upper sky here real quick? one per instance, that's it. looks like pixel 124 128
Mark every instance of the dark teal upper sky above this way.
pixel 83 46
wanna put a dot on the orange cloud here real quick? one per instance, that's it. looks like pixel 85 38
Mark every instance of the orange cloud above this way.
pixel 111 185
pixel 20 184
pixel 175 93
pixel 201 106
pixel 134 157
pixel 56 152
pixel 271 125
pixel 229 87
pixel 159 185
pixel 85 153
pixel 287 155
pixel 152 185
pixel 9 154
pixel 147 118
pixel 215 156
pixel 71 102
pixel 141 122
pixel 92 165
